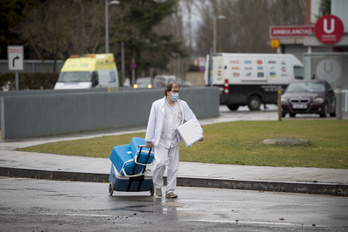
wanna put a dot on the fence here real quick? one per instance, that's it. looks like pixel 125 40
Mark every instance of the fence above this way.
pixel 47 113
pixel 34 66
pixel 345 100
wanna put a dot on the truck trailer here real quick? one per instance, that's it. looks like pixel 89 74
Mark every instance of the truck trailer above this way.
pixel 251 79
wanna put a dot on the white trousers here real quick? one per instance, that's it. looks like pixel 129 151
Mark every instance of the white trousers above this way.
pixel 166 157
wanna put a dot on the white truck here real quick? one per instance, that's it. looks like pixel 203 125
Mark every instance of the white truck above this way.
pixel 251 79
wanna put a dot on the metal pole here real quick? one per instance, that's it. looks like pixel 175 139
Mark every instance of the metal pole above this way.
pixel 133 71
pixel 346 101
pixel 279 104
pixel 214 34
pixel 106 26
pixel 215 30
pixel 210 67
pixel 122 62
pixel 339 103
pixel 17 85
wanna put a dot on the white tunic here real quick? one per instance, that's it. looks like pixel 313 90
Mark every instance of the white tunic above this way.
pixel 172 120
pixel 156 119
pixel 162 132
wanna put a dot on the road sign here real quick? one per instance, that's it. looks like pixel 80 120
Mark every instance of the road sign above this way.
pixel 133 65
pixel 15 58
pixel 290 31
pixel 201 63
pixel 274 43
pixel 329 29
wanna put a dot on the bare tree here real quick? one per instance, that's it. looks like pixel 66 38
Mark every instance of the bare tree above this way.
pixel 246 24
pixel 57 28
pixel 45 31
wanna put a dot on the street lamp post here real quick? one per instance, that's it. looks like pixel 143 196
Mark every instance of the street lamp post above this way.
pixel 107 23
pixel 122 62
pixel 214 30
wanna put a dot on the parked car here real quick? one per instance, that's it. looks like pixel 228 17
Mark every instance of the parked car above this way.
pixel 183 83
pixel 309 97
pixel 158 83
pixel 143 82
pixel 163 80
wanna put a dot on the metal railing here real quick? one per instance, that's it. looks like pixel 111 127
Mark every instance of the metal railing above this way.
pixel 345 92
pixel 33 66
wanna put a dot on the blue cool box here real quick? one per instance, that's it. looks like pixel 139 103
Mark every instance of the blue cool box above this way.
pixel 132 184
pixel 121 154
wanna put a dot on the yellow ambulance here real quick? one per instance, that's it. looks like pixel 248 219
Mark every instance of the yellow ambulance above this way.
pixel 88 71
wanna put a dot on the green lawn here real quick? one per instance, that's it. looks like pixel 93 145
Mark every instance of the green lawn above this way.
pixel 240 143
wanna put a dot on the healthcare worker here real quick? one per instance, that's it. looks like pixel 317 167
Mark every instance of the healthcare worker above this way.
pixel 166 115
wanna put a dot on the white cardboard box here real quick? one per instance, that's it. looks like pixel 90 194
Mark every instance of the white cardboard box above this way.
pixel 189 133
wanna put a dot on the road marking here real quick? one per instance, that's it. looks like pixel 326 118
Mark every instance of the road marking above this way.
pixel 244 202
pixel 78 215
pixel 258 222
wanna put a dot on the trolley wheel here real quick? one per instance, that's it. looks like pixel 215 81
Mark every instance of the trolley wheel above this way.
pixel 152 191
pixel 111 189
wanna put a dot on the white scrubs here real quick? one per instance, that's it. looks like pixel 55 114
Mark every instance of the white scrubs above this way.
pixel 162 132
pixel 167 152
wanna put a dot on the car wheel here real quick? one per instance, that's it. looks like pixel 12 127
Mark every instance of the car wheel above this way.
pixel 283 115
pixel 324 114
pixel 292 115
pixel 254 103
pixel 333 113
pixel 233 107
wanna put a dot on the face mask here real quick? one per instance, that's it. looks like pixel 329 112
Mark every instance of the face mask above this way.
pixel 174 97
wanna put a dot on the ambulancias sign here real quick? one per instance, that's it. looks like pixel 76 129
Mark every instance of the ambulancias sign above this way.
pixel 328 30
pixel 290 31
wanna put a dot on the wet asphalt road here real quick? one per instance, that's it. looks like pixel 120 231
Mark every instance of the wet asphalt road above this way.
pixel 41 205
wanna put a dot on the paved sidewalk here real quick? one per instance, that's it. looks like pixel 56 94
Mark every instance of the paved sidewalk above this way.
pixel 60 167
pixel 61 163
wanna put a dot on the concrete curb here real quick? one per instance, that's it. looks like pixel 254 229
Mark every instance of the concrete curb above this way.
pixel 275 186
pixel 53 175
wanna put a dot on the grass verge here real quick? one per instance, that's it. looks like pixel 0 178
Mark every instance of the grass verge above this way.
pixel 239 143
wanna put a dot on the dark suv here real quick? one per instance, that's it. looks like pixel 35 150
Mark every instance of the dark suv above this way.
pixel 309 97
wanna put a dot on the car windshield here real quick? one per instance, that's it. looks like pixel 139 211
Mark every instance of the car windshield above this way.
pixel 298 71
pixel 160 79
pixel 75 77
pixel 306 87
pixel 143 81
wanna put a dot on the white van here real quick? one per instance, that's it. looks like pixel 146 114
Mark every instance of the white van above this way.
pixel 88 71
pixel 251 79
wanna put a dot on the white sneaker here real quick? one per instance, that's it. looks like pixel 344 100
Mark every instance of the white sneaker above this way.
pixel 171 195
pixel 159 192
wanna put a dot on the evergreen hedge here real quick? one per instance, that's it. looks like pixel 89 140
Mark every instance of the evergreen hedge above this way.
pixel 28 80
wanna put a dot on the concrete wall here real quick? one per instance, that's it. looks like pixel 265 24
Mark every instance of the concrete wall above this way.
pixel 53 113
pixel 49 91
pixel 331 67
pixel 298 50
